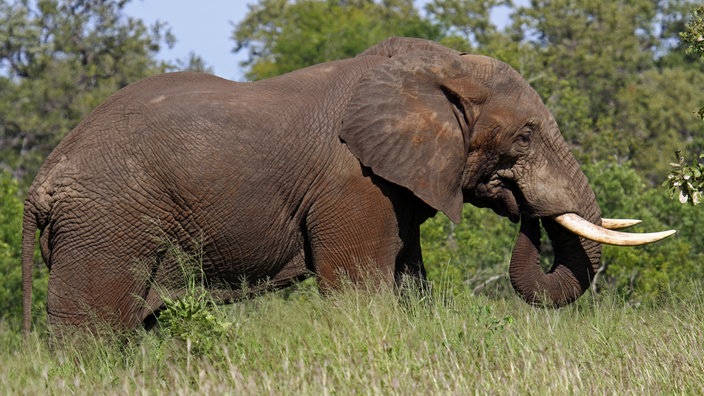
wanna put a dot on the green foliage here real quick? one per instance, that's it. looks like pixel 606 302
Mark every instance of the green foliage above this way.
pixel 645 272
pixel 693 36
pixel 465 22
pixel 686 181
pixel 602 70
pixel 282 35
pixel 469 253
pixel 191 319
pixel 190 315
pixel 10 246
pixel 659 93
pixel 486 316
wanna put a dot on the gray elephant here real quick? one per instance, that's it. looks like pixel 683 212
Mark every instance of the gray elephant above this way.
pixel 326 171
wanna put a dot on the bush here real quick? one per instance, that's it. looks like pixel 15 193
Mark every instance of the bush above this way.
pixel 646 271
pixel 467 254
pixel 191 317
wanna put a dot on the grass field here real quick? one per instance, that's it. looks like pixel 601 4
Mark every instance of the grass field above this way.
pixel 361 343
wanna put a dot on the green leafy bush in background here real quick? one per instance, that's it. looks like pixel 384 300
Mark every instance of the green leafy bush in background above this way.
pixel 472 254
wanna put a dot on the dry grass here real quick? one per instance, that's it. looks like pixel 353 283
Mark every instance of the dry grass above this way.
pixel 360 343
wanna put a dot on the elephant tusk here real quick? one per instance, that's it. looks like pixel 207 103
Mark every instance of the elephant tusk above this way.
pixel 617 224
pixel 591 231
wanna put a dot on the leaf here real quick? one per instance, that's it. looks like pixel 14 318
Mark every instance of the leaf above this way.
pixel 683 197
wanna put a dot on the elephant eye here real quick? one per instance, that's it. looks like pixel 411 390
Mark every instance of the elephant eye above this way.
pixel 523 137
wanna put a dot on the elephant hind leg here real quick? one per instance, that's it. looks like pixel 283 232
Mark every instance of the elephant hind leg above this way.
pixel 85 292
pixel 87 313
pixel 354 239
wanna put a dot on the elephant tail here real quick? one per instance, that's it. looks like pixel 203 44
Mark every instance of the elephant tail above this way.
pixel 29 231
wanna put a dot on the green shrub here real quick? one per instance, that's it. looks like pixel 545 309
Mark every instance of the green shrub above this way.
pixel 645 272
pixel 191 316
pixel 467 254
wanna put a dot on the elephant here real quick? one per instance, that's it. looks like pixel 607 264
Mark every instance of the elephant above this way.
pixel 324 172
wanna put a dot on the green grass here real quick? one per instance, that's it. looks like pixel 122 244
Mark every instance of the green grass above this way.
pixel 360 343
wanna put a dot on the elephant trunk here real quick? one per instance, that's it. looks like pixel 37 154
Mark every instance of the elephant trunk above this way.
pixel 575 264
pixel 575 230
pixel 576 259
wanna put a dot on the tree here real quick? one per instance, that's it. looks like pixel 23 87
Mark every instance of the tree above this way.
pixel 604 67
pixel 58 60
pixel 281 35
pixel 465 23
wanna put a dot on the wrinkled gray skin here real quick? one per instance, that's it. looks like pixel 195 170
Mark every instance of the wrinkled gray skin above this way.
pixel 327 171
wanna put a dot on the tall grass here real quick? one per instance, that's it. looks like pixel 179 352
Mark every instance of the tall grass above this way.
pixel 356 342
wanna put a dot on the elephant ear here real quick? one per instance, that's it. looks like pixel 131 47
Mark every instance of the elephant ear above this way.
pixel 410 121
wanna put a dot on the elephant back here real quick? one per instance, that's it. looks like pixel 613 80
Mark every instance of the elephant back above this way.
pixel 395 46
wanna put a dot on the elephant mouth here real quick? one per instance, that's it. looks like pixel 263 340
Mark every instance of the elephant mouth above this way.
pixel 509 204
pixel 500 195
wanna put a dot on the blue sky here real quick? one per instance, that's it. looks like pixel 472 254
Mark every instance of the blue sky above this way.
pixel 204 27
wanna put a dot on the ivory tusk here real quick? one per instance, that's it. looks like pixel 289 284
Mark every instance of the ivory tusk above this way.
pixel 617 224
pixel 591 231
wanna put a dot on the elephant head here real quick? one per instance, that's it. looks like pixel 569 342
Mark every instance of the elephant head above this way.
pixel 456 128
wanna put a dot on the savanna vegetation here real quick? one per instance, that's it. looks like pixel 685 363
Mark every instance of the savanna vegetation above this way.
pixel 360 343
pixel 623 79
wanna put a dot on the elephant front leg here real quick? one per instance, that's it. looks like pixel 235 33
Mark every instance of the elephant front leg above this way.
pixel 410 270
pixel 410 274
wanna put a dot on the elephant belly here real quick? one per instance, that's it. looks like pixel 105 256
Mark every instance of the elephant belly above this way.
pixel 254 257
